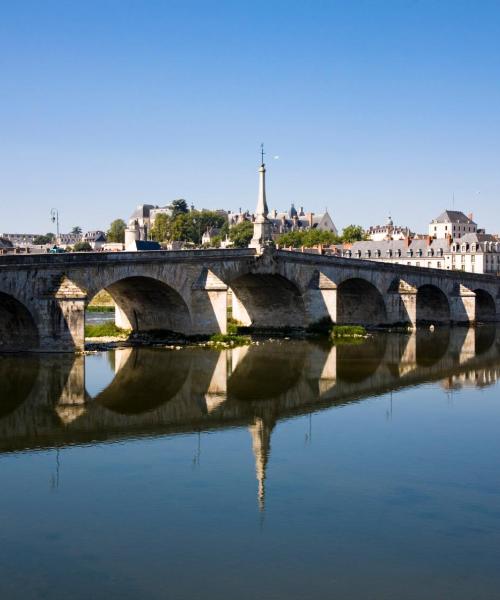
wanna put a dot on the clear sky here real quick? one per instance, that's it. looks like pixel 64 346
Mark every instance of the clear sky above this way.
pixel 373 107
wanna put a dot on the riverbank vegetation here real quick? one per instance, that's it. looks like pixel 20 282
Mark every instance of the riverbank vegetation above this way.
pixel 108 329
pixel 347 332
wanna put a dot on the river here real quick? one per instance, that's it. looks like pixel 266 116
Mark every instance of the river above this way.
pixel 282 470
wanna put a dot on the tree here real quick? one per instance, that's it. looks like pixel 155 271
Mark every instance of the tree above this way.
pixel 307 238
pixel 42 240
pixel 353 233
pixel 191 226
pixel 116 231
pixel 162 227
pixel 82 247
pixel 241 234
pixel 76 230
pixel 179 207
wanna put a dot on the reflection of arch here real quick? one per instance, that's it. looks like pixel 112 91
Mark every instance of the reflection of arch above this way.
pixel 432 305
pixel 148 379
pixel 485 307
pixel 359 302
pixel 17 378
pixel 18 330
pixel 431 346
pixel 266 372
pixel 147 304
pixel 267 302
pixel 355 363
pixel 485 337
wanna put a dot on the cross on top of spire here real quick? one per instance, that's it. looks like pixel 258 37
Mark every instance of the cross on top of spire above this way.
pixel 262 154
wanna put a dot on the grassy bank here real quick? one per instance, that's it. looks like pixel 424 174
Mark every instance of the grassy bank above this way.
pixel 98 308
pixel 108 329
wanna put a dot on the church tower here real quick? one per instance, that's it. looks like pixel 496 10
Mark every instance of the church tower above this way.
pixel 261 226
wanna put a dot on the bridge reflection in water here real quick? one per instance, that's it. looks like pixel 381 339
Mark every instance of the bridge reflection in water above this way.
pixel 44 400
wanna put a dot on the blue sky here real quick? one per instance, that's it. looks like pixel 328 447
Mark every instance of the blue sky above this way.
pixel 373 108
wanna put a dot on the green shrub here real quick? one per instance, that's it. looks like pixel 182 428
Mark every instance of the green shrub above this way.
pixel 340 332
pixel 229 339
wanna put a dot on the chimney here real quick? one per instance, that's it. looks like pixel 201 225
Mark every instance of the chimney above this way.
pixel 428 240
pixel 470 216
pixel 407 241
pixel 310 218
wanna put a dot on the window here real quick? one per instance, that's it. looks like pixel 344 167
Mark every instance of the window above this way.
pixel 417 264
pixel 439 264
pixel 429 264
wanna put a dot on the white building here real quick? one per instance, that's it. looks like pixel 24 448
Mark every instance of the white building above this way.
pixel 389 231
pixel 452 224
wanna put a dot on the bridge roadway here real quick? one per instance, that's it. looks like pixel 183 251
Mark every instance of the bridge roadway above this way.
pixel 43 297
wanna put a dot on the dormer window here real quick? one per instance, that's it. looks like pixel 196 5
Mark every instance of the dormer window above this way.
pixel 409 253
pixel 358 253
pixel 430 252
pixel 399 252
pixel 377 253
pixel 389 253
pixel 419 252
pixel 368 253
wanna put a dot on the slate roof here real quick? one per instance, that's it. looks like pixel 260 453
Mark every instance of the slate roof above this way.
pixel 146 245
pixel 416 244
pixel 142 211
pixel 453 216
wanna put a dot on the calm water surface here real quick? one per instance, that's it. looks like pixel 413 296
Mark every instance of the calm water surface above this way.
pixel 284 470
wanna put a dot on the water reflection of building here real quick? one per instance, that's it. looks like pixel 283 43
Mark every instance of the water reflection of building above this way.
pixel 45 402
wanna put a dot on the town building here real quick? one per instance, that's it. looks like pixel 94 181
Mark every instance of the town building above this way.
pixel 291 220
pixel 453 224
pixel 20 240
pixel 389 231
pixel 66 240
pixel 454 243
pixel 96 239
pixel 208 236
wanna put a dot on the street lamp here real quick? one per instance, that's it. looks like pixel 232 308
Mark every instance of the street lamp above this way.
pixel 54 217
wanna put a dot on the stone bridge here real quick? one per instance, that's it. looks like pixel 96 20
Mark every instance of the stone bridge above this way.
pixel 43 297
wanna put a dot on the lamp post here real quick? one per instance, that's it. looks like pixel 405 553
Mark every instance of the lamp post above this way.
pixel 54 217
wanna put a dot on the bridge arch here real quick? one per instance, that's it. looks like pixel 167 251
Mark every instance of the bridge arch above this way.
pixel 485 307
pixel 18 330
pixel 359 302
pixel 145 303
pixel 267 301
pixel 432 306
